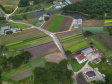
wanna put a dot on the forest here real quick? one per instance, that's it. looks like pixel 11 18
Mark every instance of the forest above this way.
pixel 24 3
pixel 96 8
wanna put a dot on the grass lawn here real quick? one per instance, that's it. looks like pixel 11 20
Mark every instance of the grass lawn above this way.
pixel 93 29
pixel 31 65
pixel 56 24
pixel 75 65
pixel 13 25
pixel 108 24
pixel 30 43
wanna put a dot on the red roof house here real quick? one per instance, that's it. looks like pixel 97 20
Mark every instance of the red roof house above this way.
pixel 81 58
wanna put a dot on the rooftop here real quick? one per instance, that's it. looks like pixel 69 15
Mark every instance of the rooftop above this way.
pixel 80 57
pixel 90 73
pixel 87 51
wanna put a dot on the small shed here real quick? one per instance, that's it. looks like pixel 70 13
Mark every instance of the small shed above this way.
pixel 76 26
pixel 58 6
pixel 79 21
pixel 45 15
pixel 87 51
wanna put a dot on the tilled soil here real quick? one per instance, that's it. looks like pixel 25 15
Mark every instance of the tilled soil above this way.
pixel 21 75
pixel 66 24
pixel 42 50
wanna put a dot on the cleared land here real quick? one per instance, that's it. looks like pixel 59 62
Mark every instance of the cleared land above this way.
pixel 42 50
pixel 93 23
pixel 66 24
pixel 93 29
pixel 105 39
pixel 21 36
pixel 66 34
pixel 47 26
pixel 73 1
pixel 74 43
pixel 55 57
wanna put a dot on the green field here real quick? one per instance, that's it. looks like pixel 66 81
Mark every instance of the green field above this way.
pixel 21 26
pixel 74 43
pixel 93 29
pixel 75 65
pixel 31 65
pixel 29 43
pixel 99 44
pixel 108 22
pixel 56 24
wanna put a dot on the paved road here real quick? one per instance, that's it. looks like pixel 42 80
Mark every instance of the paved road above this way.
pixel 57 42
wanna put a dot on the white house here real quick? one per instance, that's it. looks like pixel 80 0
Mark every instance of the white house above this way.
pixel 80 58
pixel 76 26
pixel 79 21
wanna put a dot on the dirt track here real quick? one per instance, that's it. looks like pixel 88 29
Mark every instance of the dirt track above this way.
pixel 47 26
pixel 22 75
pixel 65 34
pixel 66 24
pixel 42 50
pixel 93 23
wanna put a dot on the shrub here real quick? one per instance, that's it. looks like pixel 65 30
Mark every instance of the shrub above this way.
pixel 9 32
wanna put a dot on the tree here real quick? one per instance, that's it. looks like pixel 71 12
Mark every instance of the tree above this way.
pixel 68 52
pixel 2 60
pixel 9 32
pixel 46 18
pixel 24 17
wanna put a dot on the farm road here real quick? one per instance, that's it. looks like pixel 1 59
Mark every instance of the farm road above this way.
pixel 57 42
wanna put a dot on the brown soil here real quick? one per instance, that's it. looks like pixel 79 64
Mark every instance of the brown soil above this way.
pixel 55 57
pixel 47 26
pixel 66 34
pixel 66 24
pixel 21 75
pixel 93 23
pixel 42 50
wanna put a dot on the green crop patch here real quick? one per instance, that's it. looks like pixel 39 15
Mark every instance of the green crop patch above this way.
pixel 93 29
pixel 56 24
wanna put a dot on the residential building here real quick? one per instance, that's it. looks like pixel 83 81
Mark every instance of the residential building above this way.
pixel 97 60
pixel 76 26
pixel 90 75
pixel 3 29
pixel 79 21
pixel 68 1
pixel 87 51
pixel 80 58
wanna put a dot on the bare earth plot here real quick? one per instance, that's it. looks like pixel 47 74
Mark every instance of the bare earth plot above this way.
pixel 24 35
pixel 66 24
pixel 73 1
pixel 42 50
pixel 93 23
pixel 105 39
pixel 66 34
pixel 22 75
pixel 55 57
pixel 47 26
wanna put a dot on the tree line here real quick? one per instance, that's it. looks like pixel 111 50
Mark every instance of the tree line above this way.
pixel 24 3
pixel 95 8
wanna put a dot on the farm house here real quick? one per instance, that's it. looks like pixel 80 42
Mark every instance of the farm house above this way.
pixel 79 21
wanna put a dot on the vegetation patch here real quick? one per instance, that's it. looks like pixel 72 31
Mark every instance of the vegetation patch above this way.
pixel 93 29
pixel 56 24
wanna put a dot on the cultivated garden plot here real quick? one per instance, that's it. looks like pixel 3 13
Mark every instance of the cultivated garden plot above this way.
pixel 74 43
pixel 93 29
pixel 42 50
pixel 105 39
pixel 22 75
pixel 69 33
pixel 93 23
pixel 22 36
pixel 59 24
pixel 108 22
